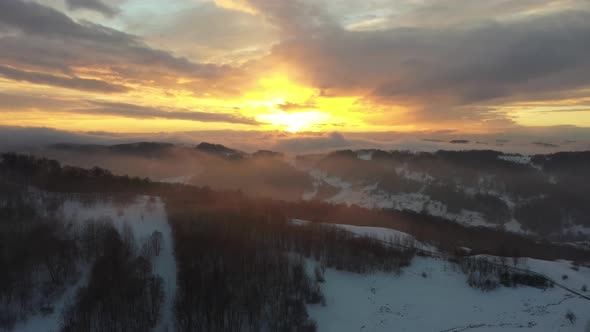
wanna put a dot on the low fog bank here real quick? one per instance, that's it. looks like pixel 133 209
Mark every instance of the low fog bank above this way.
pixel 258 174
pixel 540 140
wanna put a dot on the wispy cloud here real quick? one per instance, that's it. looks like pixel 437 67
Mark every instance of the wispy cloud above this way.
pixel 143 112
pixel 95 5
pixel 71 82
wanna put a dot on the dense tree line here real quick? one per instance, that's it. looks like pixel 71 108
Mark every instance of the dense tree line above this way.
pixel 122 293
pixel 42 253
pixel 493 208
pixel 474 180
pixel 487 276
pixel 241 267
pixel 38 257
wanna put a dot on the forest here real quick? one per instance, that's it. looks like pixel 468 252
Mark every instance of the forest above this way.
pixel 241 264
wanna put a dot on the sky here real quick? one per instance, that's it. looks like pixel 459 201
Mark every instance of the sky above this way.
pixel 297 68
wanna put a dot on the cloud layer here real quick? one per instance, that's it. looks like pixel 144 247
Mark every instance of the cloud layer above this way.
pixel 435 64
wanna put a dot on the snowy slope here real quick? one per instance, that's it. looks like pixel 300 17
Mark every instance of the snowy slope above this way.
pixel 144 216
pixel 370 197
pixel 431 295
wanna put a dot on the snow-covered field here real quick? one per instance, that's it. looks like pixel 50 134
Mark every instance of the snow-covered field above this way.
pixel 144 216
pixel 432 295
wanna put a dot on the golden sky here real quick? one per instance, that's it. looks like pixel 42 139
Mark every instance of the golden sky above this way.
pixel 294 66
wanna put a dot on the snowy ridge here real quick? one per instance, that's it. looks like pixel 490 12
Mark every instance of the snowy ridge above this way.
pixel 178 179
pixel 386 235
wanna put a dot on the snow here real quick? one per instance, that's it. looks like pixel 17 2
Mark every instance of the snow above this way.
pixel 420 177
pixel 178 179
pixel 365 155
pixel 577 277
pixel 52 322
pixel 578 229
pixel 518 159
pixel 514 226
pixel 144 216
pixel 440 301
pixel 298 222
pixel 379 233
pixel 309 195
pixel 370 197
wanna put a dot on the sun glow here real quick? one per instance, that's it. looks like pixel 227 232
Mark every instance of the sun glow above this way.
pixel 298 121
pixel 292 107
pixel 276 102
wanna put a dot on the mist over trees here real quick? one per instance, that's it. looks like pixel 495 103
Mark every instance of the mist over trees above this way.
pixel 487 182
pixel 547 194
pixel 242 264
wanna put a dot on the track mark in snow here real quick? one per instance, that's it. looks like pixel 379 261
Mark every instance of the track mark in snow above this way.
pixel 528 325
pixel 542 309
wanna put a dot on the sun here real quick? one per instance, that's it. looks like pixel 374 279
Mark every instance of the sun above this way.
pixel 296 121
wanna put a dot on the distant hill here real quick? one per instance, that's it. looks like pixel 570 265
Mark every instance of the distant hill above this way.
pixel 220 150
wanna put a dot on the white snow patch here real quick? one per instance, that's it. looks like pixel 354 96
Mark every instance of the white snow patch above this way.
pixel 514 226
pixel 309 195
pixel 578 229
pixel 178 179
pixel 420 177
pixel 365 155
pixel 518 159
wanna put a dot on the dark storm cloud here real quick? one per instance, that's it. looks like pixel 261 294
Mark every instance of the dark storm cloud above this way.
pixel 443 73
pixel 60 81
pixel 33 18
pixel 142 112
pixel 48 40
pixel 458 66
pixel 19 103
pixel 14 138
pixel 95 5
